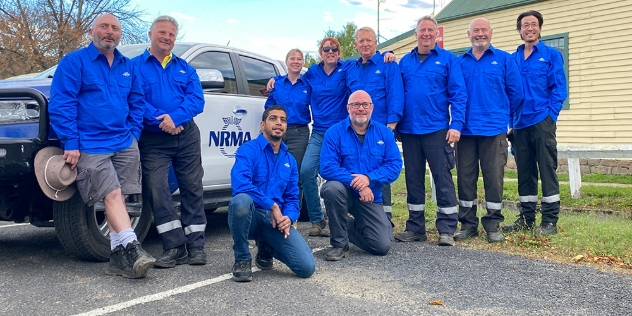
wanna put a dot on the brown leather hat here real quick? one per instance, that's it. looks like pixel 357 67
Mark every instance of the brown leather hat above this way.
pixel 54 175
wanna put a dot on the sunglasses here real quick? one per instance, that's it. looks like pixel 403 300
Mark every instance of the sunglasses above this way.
pixel 334 49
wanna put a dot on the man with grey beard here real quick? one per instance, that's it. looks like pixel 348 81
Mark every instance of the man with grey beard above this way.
pixel 494 90
pixel 355 174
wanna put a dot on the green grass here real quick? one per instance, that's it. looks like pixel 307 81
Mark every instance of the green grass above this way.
pixel 594 236
pixel 589 178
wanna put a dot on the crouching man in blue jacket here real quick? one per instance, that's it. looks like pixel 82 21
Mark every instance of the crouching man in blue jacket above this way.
pixel 358 157
pixel 264 179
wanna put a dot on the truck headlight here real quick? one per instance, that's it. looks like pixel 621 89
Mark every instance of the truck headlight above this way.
pixel 18 111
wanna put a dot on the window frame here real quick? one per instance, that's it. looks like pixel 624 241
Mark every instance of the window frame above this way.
pixel 564 36
pixel 245 75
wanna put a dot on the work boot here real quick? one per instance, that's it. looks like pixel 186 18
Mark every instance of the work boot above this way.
pixel 242 271
pixel 546 229
pixel 496 236
pixel 319 229
pixel 119 265
pixel 464 234
pixel 263 260
pixel 520 224
pixel 197 256
pixel 336 254
pixel 446 240
pixel 171 257
pixel 141 261
pixel 408 236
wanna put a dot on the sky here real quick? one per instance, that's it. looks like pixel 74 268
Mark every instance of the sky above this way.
pixel 273 27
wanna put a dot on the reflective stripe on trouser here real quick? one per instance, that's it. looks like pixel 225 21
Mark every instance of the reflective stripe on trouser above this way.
pixel 490 153
pixel 386 198
pixel 158 152
pixel 536 151
pixel 194 228
pixel 434 149
pixel 168 226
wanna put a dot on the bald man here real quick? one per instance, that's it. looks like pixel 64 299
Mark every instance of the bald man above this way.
pixel 355 174
pixel 96 108
pixel 494 90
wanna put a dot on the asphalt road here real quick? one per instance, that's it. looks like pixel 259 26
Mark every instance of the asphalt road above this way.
pixel 38 278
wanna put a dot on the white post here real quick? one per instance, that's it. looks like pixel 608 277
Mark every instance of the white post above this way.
pixel 575 177
pixel 432 186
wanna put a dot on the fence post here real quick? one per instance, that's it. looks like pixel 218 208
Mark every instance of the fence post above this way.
pixel 575 177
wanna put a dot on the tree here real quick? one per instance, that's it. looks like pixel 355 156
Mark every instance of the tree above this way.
pixel 346 37
pixel 36 34
pixel 311 60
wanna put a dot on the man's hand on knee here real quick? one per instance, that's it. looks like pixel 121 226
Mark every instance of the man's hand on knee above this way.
pixel 360 181
pixel 366 195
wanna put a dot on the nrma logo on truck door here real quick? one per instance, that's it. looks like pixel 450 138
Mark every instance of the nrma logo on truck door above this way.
pixel 230 137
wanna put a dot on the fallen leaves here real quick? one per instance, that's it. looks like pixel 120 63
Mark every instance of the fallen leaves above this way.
pixel 607 260
pixel 435 303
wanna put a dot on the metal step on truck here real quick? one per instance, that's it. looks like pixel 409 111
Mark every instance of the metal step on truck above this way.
pixel 234 91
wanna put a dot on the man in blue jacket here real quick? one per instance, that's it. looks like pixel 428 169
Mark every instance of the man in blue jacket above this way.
pixel 534 126
pixel 96 108
pixel 494 90
pixel 174 96
pixel 355 172
pixel 383 82
pixel 434 105
pixel 264 179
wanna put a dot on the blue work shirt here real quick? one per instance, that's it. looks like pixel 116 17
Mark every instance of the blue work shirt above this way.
pixel 433 90
pixel 329 95
pixel 264 179
pixel 293 97
pixel 94 107
pixel 544 83
pixel 175 90
pixel 377 157
pixel 383 82
pixel 494 90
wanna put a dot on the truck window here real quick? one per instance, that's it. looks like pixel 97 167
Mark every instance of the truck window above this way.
pixel 221 62
pixel 257 73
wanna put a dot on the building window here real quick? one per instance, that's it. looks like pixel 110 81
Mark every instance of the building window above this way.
pixel 560 42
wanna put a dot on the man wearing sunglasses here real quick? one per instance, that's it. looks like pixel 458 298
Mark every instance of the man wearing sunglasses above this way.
pixel 355 174
pixel 382 80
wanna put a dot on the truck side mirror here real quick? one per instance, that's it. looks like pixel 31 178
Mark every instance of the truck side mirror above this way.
pixel 211 79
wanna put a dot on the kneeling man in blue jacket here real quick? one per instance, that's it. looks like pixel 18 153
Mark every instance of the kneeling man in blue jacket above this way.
pixel 358 157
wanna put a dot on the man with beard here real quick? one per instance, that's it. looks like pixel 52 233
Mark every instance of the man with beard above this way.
pixel 96 108
pixel 264 179
pixel 494 90
pixel 544 81
pixel 355 174
pixel 171 138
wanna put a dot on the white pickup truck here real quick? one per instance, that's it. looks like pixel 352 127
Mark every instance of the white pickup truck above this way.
pixel 233 107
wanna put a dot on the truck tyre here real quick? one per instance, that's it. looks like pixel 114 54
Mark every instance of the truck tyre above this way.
pixel 83 230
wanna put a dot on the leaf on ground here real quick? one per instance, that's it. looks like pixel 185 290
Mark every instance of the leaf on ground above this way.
pixel 578 258
pixel 435 303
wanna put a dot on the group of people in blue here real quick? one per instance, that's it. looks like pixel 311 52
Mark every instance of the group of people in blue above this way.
pixel 446 111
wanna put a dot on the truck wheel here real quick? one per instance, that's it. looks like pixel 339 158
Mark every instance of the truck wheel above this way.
pixel 83 231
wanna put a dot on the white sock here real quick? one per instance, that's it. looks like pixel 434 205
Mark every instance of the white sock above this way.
pixel 114 240
pixel 126 236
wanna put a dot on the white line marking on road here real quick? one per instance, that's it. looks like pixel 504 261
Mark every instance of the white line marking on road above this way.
pixel 165 294
pixel 13 225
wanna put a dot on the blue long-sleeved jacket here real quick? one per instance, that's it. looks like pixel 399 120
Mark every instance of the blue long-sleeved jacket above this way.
pixel 175 90
pixel 265 180
pixel 377 157
pixel 329 95
pixel 433 90
pixel 544 85
pixel 94 107
pixel 293 97
pixel 494 91
pixel 383 82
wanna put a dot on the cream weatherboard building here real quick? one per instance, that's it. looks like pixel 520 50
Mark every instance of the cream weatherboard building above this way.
pixel 595 38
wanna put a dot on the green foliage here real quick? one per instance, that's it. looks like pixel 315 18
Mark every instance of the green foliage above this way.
pixel 311 60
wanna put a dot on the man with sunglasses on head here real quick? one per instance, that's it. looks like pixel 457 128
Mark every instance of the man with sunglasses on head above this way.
pixel 534 126
pixel 383 82
pixel 355 173
pixel 434 105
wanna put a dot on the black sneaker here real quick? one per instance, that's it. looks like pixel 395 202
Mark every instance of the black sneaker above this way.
pixel 141 261
pixel 546 229
pixel 197 256
pixel 119 265
pixel 336 254
pixel 464 234
pixel 518 225
pixel 242 271
pixel 171 257
pixel 493 237
pixel 263 260
pixel 410 236
pixel 446 240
